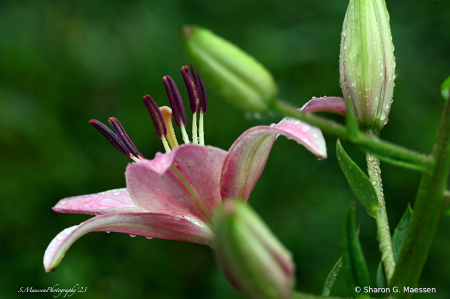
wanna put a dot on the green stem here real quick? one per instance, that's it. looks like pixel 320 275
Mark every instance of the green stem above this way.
pixel 369 143
pixel 427 213
pixel 384 234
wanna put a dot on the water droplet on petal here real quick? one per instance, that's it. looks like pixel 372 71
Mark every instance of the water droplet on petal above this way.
pixel 132 235
pixel 149 238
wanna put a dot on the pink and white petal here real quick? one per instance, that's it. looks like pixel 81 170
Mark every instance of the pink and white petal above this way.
pixel 190 186
pixel 112 201
pixel 201 167
pixel 144 224
pixel 248 155
pixel 334 105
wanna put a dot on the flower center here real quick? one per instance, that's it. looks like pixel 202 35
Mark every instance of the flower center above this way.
pixel 162 116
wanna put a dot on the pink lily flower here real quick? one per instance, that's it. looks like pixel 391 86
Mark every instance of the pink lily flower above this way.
pixel 174 195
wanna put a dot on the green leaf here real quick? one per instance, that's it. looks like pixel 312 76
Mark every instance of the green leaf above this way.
pixel 397 242
pixel 381 276
pixel 445 89
pixel 358 181
pixel 354 264
pixel 329 282
pixel 400 232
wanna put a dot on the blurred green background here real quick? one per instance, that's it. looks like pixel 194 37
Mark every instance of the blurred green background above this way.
pixel 63 63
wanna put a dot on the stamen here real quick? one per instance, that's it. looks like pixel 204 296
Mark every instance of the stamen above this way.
pixel 176 103
pixel 200 130
pixel 194 128
pixel 201 90
pixel 156 116
pixel 111 136
pixel 167 115
pixel 194 99
pixel 123 136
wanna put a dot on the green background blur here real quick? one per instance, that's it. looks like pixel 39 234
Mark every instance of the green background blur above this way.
pixel 63 63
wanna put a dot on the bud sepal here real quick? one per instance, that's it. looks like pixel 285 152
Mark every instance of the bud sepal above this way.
pixel 250 256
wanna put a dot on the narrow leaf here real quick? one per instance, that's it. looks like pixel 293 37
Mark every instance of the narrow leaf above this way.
pixel 331 279
pixel 329 282
pixel 445 89
pixel 400 232
pixel 381 276
pixel 354 264
pixel 358 181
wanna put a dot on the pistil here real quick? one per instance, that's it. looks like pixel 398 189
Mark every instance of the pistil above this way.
pixel 167 115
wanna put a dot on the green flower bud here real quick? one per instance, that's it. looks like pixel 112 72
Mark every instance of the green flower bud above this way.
pixel 250 256
pixel 236 75
pixel 367 62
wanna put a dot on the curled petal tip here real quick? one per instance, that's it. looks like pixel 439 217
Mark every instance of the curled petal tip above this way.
pixel 334 105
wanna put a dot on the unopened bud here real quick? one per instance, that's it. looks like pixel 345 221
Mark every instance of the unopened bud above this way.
pixel 250 256
pixel 236 75
pixel 367 62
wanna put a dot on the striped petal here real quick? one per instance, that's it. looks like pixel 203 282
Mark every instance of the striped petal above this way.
pixel 248 155
pixel 112 201
pixel 185 181
pixel 150 225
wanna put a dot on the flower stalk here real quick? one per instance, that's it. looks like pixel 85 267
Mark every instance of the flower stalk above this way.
pixel 383 231
pixel 427 212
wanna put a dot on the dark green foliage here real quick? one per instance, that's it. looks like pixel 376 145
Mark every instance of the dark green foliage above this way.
pixel 63 63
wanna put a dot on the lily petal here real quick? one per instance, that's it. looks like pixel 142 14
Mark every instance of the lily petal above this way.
pixel 149 225
pixel 334 105
pixel 185 181
pixel 248 155
pixel 117 200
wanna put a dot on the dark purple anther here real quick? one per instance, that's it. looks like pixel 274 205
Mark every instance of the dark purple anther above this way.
pixel 156 115
pixel 120 132
pixel 201 90
pixel 204 100
pixel 194 100
pixel 110 136
pixel 176 102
